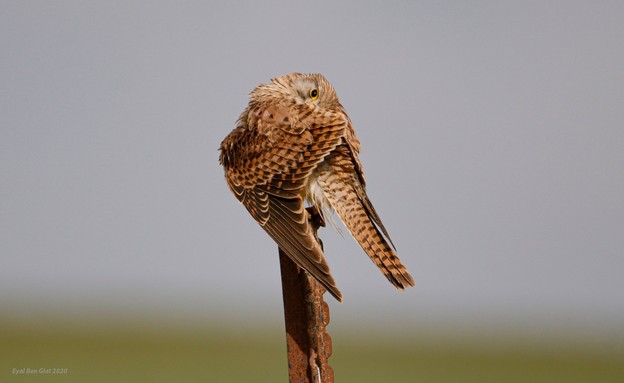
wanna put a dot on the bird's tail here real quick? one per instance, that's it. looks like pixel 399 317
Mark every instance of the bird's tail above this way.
pixel 348 198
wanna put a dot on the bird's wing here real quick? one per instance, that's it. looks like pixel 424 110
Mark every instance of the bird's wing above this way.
pixel 344 188
pixel 287 144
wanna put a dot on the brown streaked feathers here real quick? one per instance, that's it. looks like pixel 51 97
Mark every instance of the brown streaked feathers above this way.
pixel 292 145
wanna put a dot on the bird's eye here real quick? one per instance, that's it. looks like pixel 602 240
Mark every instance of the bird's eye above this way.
pixel 314 94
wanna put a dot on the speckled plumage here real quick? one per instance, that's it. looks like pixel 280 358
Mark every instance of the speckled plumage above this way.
pixel 292 145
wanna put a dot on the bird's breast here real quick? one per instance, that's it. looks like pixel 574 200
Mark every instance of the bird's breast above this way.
pixel 313 191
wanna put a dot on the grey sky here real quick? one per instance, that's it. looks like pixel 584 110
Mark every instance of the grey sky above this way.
pixel 492 132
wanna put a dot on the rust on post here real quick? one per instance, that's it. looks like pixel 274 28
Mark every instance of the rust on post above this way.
pixel 306 316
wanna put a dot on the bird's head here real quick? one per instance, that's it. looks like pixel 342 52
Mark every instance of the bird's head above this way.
pixel 299 89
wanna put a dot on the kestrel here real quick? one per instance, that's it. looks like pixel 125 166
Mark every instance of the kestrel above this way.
pixel 294 143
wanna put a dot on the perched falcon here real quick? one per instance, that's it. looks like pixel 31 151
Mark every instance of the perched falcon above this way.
pixel 294 143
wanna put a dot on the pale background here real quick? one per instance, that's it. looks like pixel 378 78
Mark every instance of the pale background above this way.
pixel 493 144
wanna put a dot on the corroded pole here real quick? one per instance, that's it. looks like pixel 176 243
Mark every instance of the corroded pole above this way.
pixel 306 316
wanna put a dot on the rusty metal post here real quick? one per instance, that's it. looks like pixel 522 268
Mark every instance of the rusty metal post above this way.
pixel 306 315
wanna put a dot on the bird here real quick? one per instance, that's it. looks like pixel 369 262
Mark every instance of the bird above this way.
pixel 294 145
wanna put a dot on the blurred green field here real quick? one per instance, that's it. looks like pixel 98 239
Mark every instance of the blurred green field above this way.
pixel 116 354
